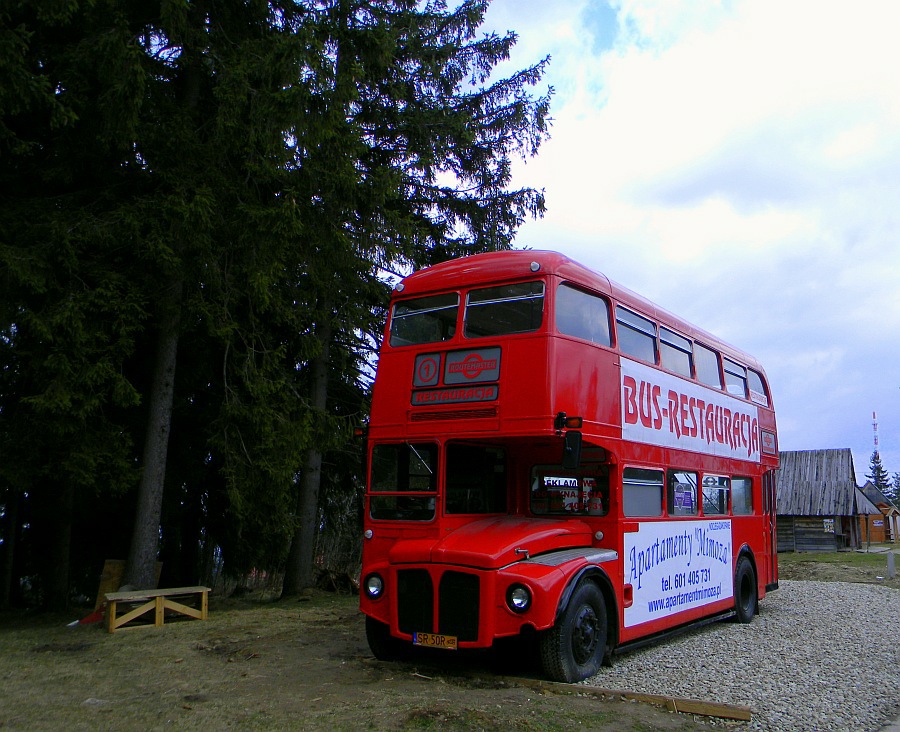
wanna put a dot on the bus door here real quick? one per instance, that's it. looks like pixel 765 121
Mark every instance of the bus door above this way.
pixel 771 535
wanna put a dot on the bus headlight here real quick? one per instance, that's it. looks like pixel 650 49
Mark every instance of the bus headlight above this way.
pixel 518 598
pixel 374 586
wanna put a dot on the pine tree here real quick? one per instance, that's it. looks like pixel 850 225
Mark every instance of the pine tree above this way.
pixel 416 171
pixel 877 474
pixel 894 494
pixel 199 203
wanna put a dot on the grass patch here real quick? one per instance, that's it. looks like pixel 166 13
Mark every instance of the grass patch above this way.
pixel 864 560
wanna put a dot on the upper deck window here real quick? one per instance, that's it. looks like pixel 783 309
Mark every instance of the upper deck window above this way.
pixel 582 315
pixel 504 310
pixel 636 335
pixel 758 392
pixel 424 319
pixel 675 352
pixel 735 378
pixel 707 363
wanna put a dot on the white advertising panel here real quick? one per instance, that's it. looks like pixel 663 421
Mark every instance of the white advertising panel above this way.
pixel 677 565
pixel 664 410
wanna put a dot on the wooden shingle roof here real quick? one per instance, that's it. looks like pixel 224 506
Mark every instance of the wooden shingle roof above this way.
pixel 864 506
pixel 816 483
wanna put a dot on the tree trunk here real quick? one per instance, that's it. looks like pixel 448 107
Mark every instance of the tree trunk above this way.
pixel 140 572
pixel 300 571
pixel 56 596
pixel 7 551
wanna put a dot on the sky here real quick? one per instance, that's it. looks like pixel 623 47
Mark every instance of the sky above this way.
pixel 738 163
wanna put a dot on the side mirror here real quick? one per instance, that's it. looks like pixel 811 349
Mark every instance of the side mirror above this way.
pixel 571 450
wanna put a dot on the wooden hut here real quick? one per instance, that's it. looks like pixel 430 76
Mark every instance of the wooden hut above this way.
pixel 881 524
pixel 817 501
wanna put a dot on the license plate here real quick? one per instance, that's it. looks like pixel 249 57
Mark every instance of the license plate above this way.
pixel 435 640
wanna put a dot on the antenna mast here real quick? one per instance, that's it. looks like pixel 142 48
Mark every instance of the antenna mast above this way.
pixel 875 431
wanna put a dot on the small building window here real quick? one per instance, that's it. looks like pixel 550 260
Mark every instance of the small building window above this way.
pixel 636 335
pixel 642 492
pixel 715 495
pixel 741 496
pixel 707 363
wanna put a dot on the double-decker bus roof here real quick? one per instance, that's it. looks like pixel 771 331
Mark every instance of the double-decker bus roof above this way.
pixel 490 267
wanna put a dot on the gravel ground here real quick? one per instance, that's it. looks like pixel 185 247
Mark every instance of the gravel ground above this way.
pixel 820 656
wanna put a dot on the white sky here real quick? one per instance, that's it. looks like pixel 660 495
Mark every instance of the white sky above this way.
pixel 737 162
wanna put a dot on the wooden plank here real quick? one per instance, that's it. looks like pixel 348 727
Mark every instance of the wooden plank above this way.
pixel 147 594
pixel 678 704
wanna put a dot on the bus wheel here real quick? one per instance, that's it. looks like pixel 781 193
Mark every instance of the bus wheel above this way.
pixel 573 649
pixel 744 590
pixel 383 645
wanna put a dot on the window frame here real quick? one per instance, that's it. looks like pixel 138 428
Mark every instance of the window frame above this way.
pixel 739 373
pixel 579 330
pixel 701 364
pixel 673 343
pixel 748 481
pixel 601 491
pixel 643 483
pixel 639 325
pixel 671 509
pixel 405 504
pixel 726 488
pixel 448 329
pixel 470 305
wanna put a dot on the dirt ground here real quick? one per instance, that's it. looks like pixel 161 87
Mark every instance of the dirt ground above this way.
pixel 296 665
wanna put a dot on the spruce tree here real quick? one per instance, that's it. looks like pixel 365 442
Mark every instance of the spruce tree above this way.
pixel 877 474
pixel 198 204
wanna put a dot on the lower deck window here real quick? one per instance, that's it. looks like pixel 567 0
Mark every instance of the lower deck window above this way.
pixel 642 492
pixel 715 495
pixel 555 491
pixel 681 497
pixel 741 496
pixel 476 479
pixel 404 482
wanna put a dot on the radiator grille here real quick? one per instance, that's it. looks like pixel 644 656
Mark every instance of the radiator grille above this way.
pixel 487 413
pixel 415 607
pixel 458 603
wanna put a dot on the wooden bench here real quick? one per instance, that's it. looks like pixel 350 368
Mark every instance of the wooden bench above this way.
pixel 156 600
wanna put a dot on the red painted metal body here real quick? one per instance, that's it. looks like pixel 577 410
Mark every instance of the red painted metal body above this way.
pixel 501 394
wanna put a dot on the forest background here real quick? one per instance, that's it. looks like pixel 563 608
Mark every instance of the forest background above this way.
pixel 202 206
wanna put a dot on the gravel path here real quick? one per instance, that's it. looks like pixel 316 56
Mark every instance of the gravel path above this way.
pixel 820 656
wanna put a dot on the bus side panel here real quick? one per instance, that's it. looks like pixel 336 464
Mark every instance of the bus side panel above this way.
pixel 587 387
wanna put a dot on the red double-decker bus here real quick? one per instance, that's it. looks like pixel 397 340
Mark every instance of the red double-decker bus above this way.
pixel 553 455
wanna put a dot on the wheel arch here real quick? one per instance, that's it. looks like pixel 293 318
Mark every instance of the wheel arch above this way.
pixel 597 575
pixel 746 551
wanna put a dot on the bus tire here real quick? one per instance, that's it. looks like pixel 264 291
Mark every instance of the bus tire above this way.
pixel 573 649
pixel 745 600
pixel 382 644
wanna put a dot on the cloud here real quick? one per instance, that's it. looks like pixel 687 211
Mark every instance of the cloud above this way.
pixel 737 162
